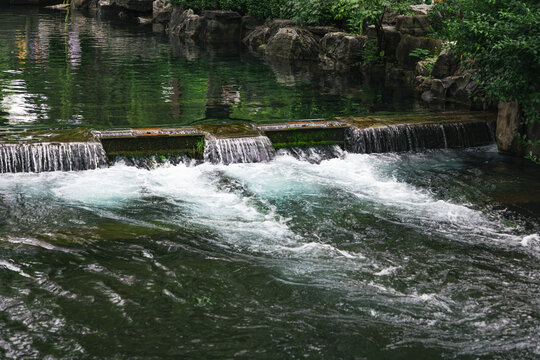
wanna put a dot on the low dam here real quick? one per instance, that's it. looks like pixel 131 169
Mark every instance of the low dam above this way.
pixel 242 143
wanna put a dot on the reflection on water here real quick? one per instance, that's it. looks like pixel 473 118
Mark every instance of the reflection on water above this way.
pixel 100 74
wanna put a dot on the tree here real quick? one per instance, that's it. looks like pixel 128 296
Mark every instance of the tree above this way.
pixel 501 39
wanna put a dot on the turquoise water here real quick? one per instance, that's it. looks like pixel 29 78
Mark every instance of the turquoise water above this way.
pixel 100 74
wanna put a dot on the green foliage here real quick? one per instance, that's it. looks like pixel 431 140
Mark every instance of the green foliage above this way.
pixel 427 59
pixel 259 9
pixel 354 14
pixel 501 37
pixel 310 12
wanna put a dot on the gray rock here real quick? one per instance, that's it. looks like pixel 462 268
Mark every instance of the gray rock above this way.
pixel 257 39
pixel 293 44
pixel 446 65
pixel 409 43
pixel 340 50
pixel 186 24
pixel 438 89
pixel 417 25
pixel 161 12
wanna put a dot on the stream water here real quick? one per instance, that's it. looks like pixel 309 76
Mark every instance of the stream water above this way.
pixel 403 255
pixel 101 74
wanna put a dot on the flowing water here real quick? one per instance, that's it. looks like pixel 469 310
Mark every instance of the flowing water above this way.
pixel 368 255
pixel 41 157
pixel 238 150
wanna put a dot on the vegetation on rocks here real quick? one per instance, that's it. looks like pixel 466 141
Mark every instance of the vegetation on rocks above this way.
pixel 501 40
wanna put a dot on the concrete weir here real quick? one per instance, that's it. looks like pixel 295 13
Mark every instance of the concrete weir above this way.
pixel 243 142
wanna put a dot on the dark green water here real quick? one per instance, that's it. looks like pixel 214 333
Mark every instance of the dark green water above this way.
pixel 101 74
pixel 398 256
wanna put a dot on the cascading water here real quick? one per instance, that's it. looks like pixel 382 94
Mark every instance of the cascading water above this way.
pixel 314 154
pixel 238 150
pixel 417 137
pixel 40 157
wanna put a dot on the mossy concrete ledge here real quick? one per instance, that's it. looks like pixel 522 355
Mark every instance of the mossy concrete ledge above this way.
pixel 154 141
pixel 305 133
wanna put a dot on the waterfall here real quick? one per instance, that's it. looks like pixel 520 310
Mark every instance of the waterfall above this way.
pixel 314 154
pixel 238 150
pixel 417 137
pixel 40 157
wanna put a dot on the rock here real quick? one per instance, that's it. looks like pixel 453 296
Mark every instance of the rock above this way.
pixel 321 31
pixel 391 40
pixel 438 89
pixel 508 126
pixel 417 25
pixel 275 25
pixel 446 65
pixel 186 24
pixel 257 39
pixel 134 5
pixel 161 12
pixel 423 84
pixel 409 43
pixel 340 50
pixel 222 26
pixel 293 44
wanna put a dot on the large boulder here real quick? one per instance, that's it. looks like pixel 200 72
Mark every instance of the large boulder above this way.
pixel 446 65
pixel 340 50
pixel 222 26
pixel 293 44
pixel 257 39
pixel 186 24
pixel 417 25
pixel 409 43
